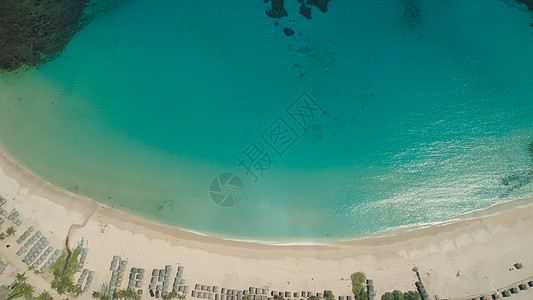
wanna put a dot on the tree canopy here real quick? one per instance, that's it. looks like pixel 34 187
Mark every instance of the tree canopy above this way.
pixel 358 286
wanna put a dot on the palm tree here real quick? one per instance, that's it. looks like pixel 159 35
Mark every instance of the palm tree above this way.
pixel 45 296
pixel 20 278
pixel 120 294
pixel 10 230
pixel 173 295
pixel 131 294
pixel 27 290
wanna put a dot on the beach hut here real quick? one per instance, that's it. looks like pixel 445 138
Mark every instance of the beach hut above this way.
pixel 287 294
pixel 210 296
pixel 522 287
pixel 265 291
pixel 209 288
pixel 193 293
pixel 530 283
pixel 223 297
pixel 296 295
pixel 216 289
pixel 514 290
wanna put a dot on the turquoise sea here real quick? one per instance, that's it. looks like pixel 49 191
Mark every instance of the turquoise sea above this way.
pixel 420 111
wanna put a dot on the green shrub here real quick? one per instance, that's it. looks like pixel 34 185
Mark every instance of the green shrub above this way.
pixel 413 295
pixel 358 286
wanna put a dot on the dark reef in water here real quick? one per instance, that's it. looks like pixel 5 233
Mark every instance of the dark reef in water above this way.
pixel 411 12
pixel 305 11
pixel 528 3
pixel 33 32
pixel 320 4
pixel 277 9
pixel 288 31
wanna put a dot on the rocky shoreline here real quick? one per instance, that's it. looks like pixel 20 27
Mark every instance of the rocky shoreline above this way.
pixel 33 32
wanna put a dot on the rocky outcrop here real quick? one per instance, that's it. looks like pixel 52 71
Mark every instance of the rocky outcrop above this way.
pixel 33 32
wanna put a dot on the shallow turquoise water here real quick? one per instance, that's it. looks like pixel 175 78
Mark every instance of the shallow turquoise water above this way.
pixel 422 118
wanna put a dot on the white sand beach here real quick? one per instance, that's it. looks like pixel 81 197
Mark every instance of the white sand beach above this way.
pixel 465 257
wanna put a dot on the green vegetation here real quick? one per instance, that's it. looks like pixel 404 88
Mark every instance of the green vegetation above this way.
pixel 127 294
pixel 10 231
pixel 329 295
pixel 358 286
pixel 173 295
pixel 396 295
pixel 21 288
pixel 101 296
pixel 62 282
pixel 413 295
pixel 44 296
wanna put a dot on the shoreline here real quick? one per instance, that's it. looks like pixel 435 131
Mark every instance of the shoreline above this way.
pixel 440 250
pixel 25 174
